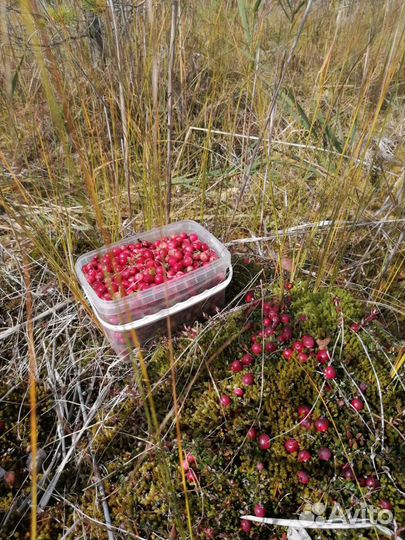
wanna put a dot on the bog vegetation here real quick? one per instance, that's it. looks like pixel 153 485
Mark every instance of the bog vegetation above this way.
pixel 279 125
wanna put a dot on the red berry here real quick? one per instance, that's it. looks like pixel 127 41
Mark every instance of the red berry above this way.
pixel 192 476
pixel 260 511
pixel 264 441
pixel 372 482
pixel 330 372
pixel 257 348
pixel 286 333
pixel 225 401
pixel 303 411
pixel 247 360
pixel 252 434
pixel 287 353
pixel 303 477
pixel 304 456
pixel 288 286
pixel 322 424
pixel 291 446
pixel 236 366
pixel 191 459
pixel 248 379
pixel 324 454
pixel 239 392
pixel 323 356
pixel 249 297
pixel 303 357
pixel 306 424
pixel 356 327
pixel 245 525
pixel 385 505
pixel 9 478
pixel 285 318
pixel 363 387
pixel 357 404
pixel 298 346
pixel 348 472
pixel 308 342
pixel 271 347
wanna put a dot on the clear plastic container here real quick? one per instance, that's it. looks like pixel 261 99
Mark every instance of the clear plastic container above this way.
pixel 183 300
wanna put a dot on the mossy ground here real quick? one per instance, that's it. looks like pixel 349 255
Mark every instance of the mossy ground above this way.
pixel 136 473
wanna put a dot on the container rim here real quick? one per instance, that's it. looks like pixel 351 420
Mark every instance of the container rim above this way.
pixel 223 256
pixel 167 312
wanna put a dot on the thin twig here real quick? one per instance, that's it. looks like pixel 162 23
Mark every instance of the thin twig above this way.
pixel 306 226
pixel 172 51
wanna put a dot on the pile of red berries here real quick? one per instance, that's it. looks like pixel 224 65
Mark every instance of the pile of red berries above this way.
pixel 136 267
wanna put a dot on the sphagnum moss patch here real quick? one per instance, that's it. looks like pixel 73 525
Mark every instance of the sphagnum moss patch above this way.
pixel 286 437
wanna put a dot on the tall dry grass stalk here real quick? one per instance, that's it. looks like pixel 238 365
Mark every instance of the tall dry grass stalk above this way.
pixel 33 403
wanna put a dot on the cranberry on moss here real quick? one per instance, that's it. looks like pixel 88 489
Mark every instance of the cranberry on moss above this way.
pixel 246 526
pixel 288 353
pixel 303 477
pixel 308 342
pixel 260 511
pixel 252 434
pixel 303 411
pixel 306 424
pixel 357 404
pixel 322 424
pixel 324 454
pixel 236 366
pixel 330 373
pixel 385 505
pixel 192 477
pixel 304 456
pixel 323 356
pixel 298 346
pixel 264 441
pixel 303 357
pixel 225 401
pixel 372 482
pixel 247 360
pixel 291 446
pixel 248 379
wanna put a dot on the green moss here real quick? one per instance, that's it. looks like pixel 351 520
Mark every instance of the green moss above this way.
pixel 229 483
